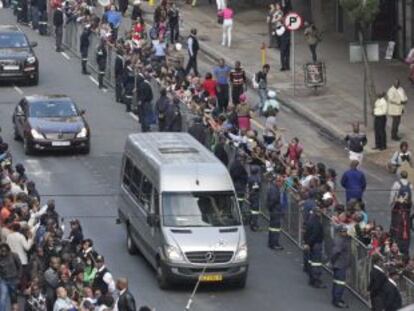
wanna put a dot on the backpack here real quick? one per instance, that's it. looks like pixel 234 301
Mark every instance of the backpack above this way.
pixel 404 193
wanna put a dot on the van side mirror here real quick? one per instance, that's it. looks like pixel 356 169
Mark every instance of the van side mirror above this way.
pixel 33 44
pixel 153 220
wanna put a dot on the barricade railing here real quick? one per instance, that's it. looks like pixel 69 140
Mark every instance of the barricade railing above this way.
pixel 358 274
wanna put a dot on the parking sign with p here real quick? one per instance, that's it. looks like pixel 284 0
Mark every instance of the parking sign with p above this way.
pixel 293 21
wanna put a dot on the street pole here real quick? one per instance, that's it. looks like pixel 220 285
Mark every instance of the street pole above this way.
pixel 293 61
pixel 365 100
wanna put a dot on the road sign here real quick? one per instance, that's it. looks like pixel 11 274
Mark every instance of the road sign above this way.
pixel 293 21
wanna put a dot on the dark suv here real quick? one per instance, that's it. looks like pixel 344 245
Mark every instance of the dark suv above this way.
pixel 17 58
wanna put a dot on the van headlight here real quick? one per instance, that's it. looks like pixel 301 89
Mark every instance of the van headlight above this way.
pixel 31 60
pixel 173 254
pixel 83 133
pixel 36 134
pixel 241 254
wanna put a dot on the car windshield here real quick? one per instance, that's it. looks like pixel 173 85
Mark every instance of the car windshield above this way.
pixel 53 109
pixel 13 40
pixel 200 209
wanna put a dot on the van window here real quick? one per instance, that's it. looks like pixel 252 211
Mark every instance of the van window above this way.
pixel 145 193
pixel 127 172
pixel 200 209
pixel 156 206
pixel 135 182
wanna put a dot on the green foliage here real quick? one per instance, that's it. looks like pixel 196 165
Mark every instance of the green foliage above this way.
pixel 362 12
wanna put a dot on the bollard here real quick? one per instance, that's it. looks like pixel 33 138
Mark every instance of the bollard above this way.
pixel 263 53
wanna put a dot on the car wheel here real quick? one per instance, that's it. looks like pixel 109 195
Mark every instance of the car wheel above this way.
pixel 131 247
pixel 28 150
pixel 86 150
pixel 162 279
pixel 34 81
pixel 16 134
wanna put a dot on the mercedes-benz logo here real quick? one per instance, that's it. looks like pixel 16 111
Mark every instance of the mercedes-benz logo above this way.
pixel 210 257
pixel 60 135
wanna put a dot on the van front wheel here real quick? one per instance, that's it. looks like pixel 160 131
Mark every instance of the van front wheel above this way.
pixel 132 248
pixel 162 278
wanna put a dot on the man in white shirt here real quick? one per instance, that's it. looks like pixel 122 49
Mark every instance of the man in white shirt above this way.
pixel 397 99
pixel 380 122
pixel 19 244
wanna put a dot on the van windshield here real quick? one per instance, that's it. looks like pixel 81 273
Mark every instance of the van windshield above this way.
pixel 200 209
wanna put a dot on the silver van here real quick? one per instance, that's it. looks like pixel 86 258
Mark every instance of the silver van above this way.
pixel 178 203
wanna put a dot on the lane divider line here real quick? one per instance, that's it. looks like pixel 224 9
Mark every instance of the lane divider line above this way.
pixel 65 55
pixel 94 80
pixel 133 116
pixel 18 90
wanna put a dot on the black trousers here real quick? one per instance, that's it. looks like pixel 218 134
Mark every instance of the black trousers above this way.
pixel 84 56
pixel 192 64
pixel 223 97
pixel 236 91
pixel 380 123
pixel 285 55
pixel 118 89
pixel 174 32
pixel 101 74
pixel 312 48
pixel 396 120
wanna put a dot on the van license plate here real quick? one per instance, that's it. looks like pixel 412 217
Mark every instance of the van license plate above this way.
pixel 211 278
pixel 60 143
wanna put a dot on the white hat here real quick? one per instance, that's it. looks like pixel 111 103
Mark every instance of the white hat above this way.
pixel 178 46
pixel 137 2
pixel 327 196
pixel 271 94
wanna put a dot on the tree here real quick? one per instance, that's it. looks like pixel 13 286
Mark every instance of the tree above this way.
pixel 363 13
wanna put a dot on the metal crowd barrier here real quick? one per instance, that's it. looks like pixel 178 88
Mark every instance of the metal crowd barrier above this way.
pixel 358 274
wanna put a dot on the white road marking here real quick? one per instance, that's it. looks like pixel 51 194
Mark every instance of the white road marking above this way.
pixel 94 80
pixel 105 90
pixel 65 55
pixel 18 90
pixel 133 116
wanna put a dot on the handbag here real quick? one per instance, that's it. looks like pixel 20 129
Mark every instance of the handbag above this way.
pixel 220 18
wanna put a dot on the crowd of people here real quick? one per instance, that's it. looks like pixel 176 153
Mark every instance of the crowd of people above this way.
pixel 223 114
pixel 44 267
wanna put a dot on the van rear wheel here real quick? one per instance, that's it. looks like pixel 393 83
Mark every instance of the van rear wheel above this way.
pixel 162 279
pixel 132 248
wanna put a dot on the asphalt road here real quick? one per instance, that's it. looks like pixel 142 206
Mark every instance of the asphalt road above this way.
pixel 85 187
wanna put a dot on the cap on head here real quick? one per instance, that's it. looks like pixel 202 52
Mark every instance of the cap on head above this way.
pixel 271 94
pixel 100 259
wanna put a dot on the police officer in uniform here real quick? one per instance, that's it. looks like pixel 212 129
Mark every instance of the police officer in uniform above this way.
pixel 103 280
pixel 377 281
pixel 275 213
pixel 128 82
pixel 145 96
pixel 341 260
pixel 101 55
pixel 84 47
pixel 119 70
pixel 313 239
pixel 253 186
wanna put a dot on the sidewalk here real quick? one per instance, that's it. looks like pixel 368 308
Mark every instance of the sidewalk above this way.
pixel 336 106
